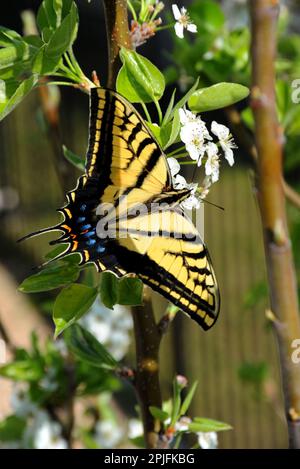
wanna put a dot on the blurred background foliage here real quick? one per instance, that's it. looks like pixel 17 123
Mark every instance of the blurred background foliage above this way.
pixel 236 362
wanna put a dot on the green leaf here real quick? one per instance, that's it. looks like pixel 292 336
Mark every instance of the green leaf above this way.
pixel 167 115
pixel 17 54
pixel 126 291
pixel 188 399
pixel 175 129
pixel 71 303
pixel 64 36
pixel 50 278
pixel 19 51
pixel 22 370
pixel 176 401
pixel 74 159
pixel 52 12
pixel 156 131
pixel 14 96
pixel 8 36
pixel 46 16
pixel 184 99
pixel 139 80
pixel 217 96
pixel 169 109
pixel 130 291
pixel 208 425
pixel 86 347
pixel 159 414
pixel 44 64
pixel 12 428
pixel 109 289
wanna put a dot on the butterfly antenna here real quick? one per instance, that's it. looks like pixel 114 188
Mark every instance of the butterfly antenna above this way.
pixel 211 203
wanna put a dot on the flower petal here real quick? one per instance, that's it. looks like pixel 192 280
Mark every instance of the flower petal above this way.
pixel 192 28
pixel 173 165
pixel 179 30
pixel 228 154
pixel 191 202
pixel 193 151
pixel 179 182
pixel 186 133
pixel 176 11
pixel 221 131
pixel 211 149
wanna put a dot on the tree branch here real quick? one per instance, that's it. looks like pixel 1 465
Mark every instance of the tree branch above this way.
pixel 116 18
pixel 146 332
pixel 279 259
pixel 147 341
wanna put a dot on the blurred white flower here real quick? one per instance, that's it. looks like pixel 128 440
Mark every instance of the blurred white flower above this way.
pixel 135 428
pixel 182 21
pixel 183 424
pixel 61 347
pixel 49 381
pixel 179 183
pixel 212 164
pixel 208 440
pixel 108 434
pixel 111 327
pixel 225 139
pixel 45 433
pixel 20 402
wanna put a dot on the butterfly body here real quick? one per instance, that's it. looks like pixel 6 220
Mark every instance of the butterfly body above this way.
pixel 124 214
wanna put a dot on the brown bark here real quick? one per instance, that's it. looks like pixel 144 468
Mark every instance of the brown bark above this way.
pixel 278 252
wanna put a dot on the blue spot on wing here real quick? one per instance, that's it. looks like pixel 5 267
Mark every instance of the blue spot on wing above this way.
pixel 86 227
pixel 90 242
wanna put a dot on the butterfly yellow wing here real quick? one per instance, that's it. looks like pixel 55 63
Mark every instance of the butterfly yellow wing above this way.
pixel 165 250
pixel 126 169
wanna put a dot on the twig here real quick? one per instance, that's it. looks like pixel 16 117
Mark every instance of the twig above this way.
pixel 146 332
pixel 279 259
pixel 116 18
pixel 246 141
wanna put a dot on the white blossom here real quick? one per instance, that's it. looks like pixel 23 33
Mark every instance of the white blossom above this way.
pixel 20 402
pixel 135 428
pixel 193 134
pixel 208 440
pixel 108 434
pixel 182 21
pixel 182 425
pixel 225 139
pixel 45 433
pixel 180 183
pixel 49 381
pixel 110 327
pixel 212 164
